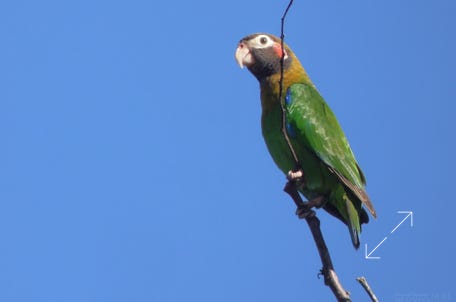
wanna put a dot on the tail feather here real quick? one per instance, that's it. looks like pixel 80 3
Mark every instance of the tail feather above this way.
pixel 345 206
pixel 353 223
pixel 354 237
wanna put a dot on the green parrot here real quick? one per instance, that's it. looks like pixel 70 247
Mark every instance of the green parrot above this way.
pixel 325 159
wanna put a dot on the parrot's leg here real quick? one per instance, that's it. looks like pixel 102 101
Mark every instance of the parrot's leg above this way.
pixel 304 209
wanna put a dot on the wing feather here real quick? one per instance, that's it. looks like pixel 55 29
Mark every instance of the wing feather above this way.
pixel 320 131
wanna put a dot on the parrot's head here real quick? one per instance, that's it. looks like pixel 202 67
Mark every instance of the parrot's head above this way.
pixel 261 53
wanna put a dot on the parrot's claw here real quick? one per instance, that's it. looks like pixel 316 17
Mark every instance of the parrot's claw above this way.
pixel 304 212
pixel 295 175
pixel 317 202
pixel 306 209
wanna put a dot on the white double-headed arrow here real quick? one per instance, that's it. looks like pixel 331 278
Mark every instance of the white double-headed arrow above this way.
pixel 367 255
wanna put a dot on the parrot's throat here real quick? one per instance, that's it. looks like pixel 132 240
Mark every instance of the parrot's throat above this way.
pixel 270 89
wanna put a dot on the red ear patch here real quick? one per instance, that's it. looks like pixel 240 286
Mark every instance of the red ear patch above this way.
pixel 278 50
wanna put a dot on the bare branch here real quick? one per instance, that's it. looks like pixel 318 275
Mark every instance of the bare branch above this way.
pixel 313 222
pixel 366 286
pixel 305 208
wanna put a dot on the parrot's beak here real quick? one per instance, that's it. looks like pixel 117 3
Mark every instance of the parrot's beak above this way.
pixel 243 55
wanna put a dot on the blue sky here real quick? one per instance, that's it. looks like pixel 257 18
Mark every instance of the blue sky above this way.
pixel 133 167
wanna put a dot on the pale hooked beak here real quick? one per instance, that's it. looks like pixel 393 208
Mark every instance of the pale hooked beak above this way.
pixel 243 55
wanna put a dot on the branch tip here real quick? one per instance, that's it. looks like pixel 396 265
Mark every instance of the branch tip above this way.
pixel 367 288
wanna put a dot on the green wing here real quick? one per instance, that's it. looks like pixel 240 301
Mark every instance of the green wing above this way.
pixel 317 128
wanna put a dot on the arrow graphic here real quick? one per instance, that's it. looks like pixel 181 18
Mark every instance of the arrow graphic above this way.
pixel 367 255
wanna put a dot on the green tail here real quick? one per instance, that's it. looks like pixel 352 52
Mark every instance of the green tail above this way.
pixel 353 223
pixel 343 205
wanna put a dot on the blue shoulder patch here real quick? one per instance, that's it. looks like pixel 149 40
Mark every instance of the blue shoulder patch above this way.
pixel 288 99
pixel 290 129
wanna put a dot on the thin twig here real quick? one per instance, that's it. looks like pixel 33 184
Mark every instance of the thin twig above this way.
pixel 313 222
pixel 284 113
pixel 328 271
pixel 368 289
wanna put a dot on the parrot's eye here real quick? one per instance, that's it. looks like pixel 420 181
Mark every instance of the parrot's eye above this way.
pixel 262 41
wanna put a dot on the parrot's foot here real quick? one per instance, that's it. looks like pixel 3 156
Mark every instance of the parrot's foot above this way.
pixel 305 209
pixel 304 212
pixel 295 175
